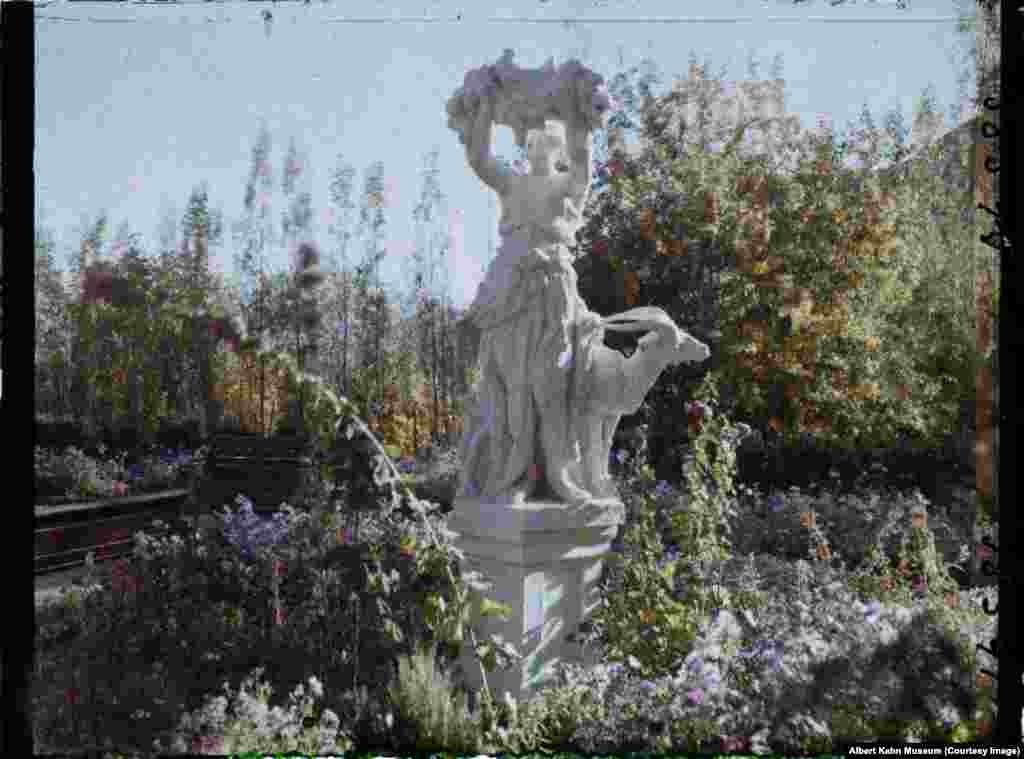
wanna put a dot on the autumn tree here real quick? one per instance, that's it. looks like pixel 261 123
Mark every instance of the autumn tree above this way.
pixel 85 360
pixel 775 241
pixel 302 312
pixel 254 233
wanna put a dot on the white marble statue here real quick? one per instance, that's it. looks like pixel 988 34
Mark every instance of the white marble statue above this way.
pixel 550 393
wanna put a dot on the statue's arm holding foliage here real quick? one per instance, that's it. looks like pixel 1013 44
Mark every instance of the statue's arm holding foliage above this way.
pixel 588 109
pixel 478 138
pixel 579 145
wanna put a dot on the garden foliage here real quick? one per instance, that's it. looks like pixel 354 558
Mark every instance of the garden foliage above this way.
pixel 806 267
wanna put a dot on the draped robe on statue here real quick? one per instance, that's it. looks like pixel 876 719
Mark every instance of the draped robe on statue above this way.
pixel 538 341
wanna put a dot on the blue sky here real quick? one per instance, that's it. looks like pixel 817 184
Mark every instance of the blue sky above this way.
pixel 131 116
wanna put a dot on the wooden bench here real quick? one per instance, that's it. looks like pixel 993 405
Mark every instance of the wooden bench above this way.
pixel 64 534
pixel 267 470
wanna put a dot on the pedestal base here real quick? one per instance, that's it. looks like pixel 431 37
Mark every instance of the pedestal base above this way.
pixel 544 560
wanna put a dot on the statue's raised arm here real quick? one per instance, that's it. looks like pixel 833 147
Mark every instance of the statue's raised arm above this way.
pixel 524 99
pixel 579 144
pixel 478 137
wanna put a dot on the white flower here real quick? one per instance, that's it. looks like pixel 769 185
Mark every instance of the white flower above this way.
pixel 329 720
pixel 250 709
pixel 316 688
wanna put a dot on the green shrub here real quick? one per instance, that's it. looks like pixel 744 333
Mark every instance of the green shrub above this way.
pixel 641 616
pixel 429 716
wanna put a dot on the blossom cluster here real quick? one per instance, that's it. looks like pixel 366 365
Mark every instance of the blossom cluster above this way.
pixel 255 725
pixel 406 465
pixel 747 669
pixel 250 534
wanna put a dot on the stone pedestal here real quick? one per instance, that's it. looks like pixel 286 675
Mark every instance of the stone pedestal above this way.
pixel 544 560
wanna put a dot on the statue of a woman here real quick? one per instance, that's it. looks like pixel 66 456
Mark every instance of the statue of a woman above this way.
pixel 550 393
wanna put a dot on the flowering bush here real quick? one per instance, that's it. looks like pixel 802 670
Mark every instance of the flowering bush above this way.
pixel 641 617
pixel 80 474
pixel 772 627
pixel 736 687
pixel 254 726
pixel 850 524
pixel 250 534
pixel 280 593
pixel 74 474
pixel 792 626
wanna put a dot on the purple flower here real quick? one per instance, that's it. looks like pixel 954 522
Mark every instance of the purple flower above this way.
pixel 672 555
pixel 695 696
pixel 776 503
pixel 755 649
pixel 249 533
pixel 873 612
pixel 769 650
pixel 136 472
pixel 694 663
pixel 663 490
pixel 712 679
pixel 621 455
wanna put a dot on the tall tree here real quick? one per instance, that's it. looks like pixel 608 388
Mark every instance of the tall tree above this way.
pixel 296 224
pixel 254 233
pixel 168 289
pixel 201 228
pixel 340 292
pixel 304 317
pixel 54 330
pixel 375 322
pixel 84 358
pixel 137 327
pixel 431 287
